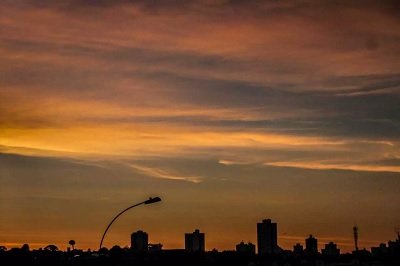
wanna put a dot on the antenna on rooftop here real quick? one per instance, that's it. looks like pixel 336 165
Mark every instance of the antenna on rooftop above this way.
pixel 355 234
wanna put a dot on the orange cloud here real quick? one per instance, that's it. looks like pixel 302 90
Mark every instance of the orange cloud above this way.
pixel 304 85
pixel 331 166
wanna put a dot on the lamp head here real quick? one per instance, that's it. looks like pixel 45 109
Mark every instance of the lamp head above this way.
pixel 152 200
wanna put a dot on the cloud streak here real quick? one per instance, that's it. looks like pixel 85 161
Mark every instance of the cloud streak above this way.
pixel 160 173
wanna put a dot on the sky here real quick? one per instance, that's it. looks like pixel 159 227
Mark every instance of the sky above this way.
pixel 230 111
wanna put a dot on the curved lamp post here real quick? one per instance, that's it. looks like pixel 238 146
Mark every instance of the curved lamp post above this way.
pixel 149 201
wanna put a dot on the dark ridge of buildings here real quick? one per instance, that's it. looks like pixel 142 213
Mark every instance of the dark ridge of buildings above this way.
pixel 194 253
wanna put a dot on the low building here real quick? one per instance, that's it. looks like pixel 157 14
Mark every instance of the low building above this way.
pixel 139 241
pixel 195 241
pixel 248 248
pixel 298 249
pixel 155 247
pixel 331 250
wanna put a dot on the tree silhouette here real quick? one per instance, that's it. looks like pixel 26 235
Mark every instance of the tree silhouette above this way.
pixel 72 243
pixel 116 252
pixel 25 248
pixel 51 248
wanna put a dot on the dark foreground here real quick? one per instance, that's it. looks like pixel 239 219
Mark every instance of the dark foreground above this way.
pixel 120 256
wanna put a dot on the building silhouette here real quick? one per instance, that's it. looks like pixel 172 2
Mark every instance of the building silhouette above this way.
pixel 394 246
pixel 139 241
pixel 311 245
pixel 195 241
pixel 267 237
pixel 298 249
pixel 378 251
pixel 155 247
pixel 330 250
pixel 248 248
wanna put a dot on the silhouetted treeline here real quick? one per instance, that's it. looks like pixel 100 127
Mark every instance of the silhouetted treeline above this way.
pixel 125 256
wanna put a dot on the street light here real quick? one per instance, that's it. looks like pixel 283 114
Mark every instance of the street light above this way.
pixel 149 201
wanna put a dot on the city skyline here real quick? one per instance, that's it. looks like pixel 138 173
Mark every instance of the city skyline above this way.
pixel 228 110
pixel 267 244
pixel 153 254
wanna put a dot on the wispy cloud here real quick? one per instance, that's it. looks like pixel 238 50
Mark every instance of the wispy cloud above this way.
pixel 164 174
pixel 335 166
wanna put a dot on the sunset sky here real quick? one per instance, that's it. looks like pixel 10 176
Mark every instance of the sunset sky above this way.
pixel 230 111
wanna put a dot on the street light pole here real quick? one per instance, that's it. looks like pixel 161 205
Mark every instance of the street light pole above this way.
pixel 149 201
